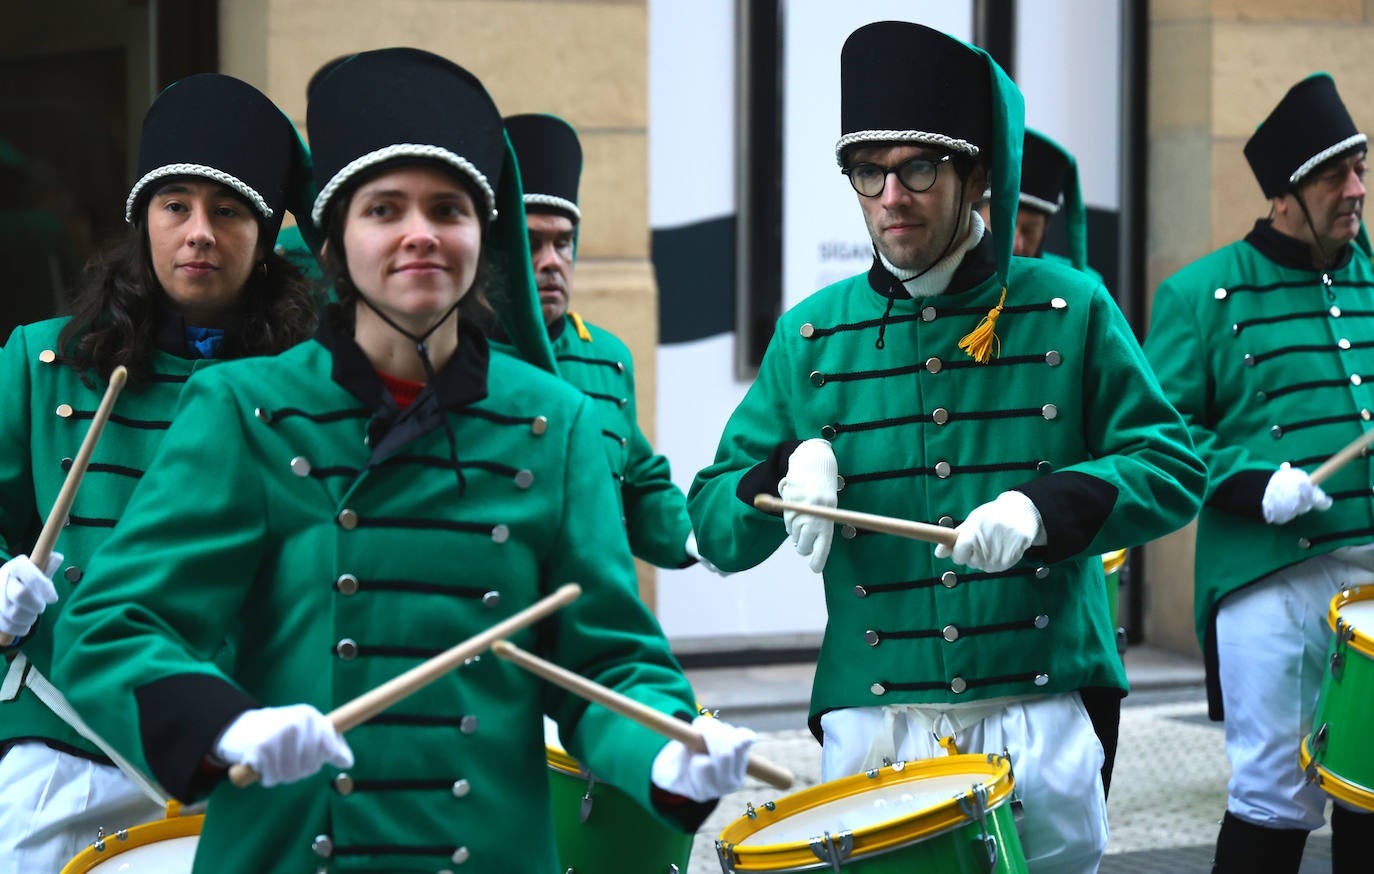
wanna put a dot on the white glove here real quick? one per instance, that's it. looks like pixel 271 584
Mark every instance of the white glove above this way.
pixel 812 478
pixel 25 592
pixel 705 776
pixel 996 534
pixel 1291 493
pixel 283 744
pixel 693 552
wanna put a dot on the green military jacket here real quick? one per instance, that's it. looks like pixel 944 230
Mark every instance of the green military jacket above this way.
pixel 342 542
pixel 1269 361
pixel 655 510
pixel 1068 413
pixel 48 413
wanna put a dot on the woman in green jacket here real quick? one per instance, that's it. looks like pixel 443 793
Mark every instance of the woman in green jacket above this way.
pixel 367 500
pixel 194 282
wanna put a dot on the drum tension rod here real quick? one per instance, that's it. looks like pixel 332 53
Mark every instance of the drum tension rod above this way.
pixel 974 805
pixel 833 848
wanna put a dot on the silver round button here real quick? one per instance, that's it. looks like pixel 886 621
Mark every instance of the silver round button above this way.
pixel 807 330
pixel 928 314
pixel 950 633
pixel 1276 432
pixel 491 599
pixel 343 784
pixel 346 649
pixel 945 521
pixel 849 532
pixel 949 579
pixel 348 520
pixel 461 855
pixel 1050 412
pixel 878 688
pixel 1343 343
pixel 461 788
pixel 817 378
pixel 262 415
pixel 871 638
pixel 1356 379
pixel 958 685
pixel 940 416
pixel 934 365
pixel 323 846
pixel 1059 303
pixel 524 479
pixel 1219 294
pixel 500 533
pixel 47 356
pixel 1053 358
pixel 1042 573
pixel 828 432
pixel 64 411
pixel 1042 621
pixel 943 470
pixel 860 592
pixel 539 425
pixel 468 725
pixel 1041 679
pixel 1335 311
pixel 300 466
pixel 347 584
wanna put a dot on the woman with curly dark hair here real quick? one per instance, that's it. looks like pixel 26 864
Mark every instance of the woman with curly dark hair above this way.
pixel 194 282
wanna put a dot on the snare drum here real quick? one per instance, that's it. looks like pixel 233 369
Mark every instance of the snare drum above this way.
pixel 1336 754
pixel 167 846
pixel 1112 563
pixel 600 829
pixel 947 815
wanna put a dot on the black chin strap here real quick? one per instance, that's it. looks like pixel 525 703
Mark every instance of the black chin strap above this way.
pixel 1327 260
pixel 882 323
pixel 423 351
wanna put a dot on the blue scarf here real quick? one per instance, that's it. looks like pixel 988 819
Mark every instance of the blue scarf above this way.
pixel 204 341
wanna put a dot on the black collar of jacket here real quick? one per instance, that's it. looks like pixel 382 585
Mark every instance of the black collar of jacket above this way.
pixel 463 380
pixel 1287 251
pixel 170 330
pixel 979 264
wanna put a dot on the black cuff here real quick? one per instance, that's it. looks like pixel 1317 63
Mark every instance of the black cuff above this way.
pixel 1242 494
pixel 1073 508
pixel 686 814
pixel 180 717
pixel 763 477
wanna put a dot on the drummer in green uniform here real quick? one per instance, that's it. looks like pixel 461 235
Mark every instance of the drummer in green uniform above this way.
pixel 367 500
pixel 1004 397
pixel 193 283
pixel 1265 347
pixel 589 357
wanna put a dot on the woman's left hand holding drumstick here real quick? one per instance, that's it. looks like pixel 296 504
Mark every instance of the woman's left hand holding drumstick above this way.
pixel 725 744
pixel 26 587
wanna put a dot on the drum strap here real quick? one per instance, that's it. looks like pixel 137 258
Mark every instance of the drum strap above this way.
pixel 22 671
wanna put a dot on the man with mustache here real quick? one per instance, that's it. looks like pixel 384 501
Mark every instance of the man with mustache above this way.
pixel 951 382
pixel 1264 346
pixel 589 357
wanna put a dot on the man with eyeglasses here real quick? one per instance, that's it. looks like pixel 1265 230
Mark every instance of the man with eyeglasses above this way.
pixel 592 359
pixel 1003 397
pixel 1266 346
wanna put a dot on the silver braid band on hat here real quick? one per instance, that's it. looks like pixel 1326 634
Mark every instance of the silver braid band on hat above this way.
pixel 1329 152
pixel 1041 203
pixel 903 136
pixel 403 150
pixel 550 200
pixel 228 180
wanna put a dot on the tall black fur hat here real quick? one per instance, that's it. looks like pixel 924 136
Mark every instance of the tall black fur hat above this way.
pixel 550 159
pixel 403 104
pixel 222 129
pixel 1309 126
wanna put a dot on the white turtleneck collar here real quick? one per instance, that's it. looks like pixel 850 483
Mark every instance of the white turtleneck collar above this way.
pixel 936 279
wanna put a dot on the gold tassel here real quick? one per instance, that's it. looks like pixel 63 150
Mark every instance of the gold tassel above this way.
pixel 947 742
pixel 583 334
pixel 982 343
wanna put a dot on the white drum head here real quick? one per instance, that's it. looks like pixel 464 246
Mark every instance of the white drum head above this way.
pixel 1359 614
pixel 882 804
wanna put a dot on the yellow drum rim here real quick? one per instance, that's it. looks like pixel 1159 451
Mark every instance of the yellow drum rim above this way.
pixel 1333 784
pixel 138 836
pixel 1362 640
pixel 868 840
pixel 1112 561
pixel 559 760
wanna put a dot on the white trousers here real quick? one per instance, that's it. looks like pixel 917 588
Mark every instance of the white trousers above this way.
pixel 52 803
pixel 1272 641
pixel 1055 756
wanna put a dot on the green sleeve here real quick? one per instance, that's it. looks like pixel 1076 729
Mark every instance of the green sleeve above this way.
pixel 730 531
pixel 655 508
pixel 608 634
pixel 168 587
pixel 1176 349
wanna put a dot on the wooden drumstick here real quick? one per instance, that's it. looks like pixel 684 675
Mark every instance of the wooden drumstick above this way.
pixel 57 518
pixel 1347 454
pixel 673 729
pixel 369 704
pixel 867 521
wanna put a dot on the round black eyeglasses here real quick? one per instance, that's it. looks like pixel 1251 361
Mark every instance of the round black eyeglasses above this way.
pixel 915 174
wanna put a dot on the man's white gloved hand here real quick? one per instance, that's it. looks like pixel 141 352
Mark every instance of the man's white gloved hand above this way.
pixel 283 744
pixel 693 552
pixel 996 534
pixel 812 478
pixel 705 776
pixel 25 592
pixel 1291 493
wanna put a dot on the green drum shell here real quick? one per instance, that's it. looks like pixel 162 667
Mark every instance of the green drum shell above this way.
pixel 619 836
pixel 958 849
pixel 1339 743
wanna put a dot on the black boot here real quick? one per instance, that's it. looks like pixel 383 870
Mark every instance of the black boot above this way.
pixel 1245 848
pixel 1352 841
